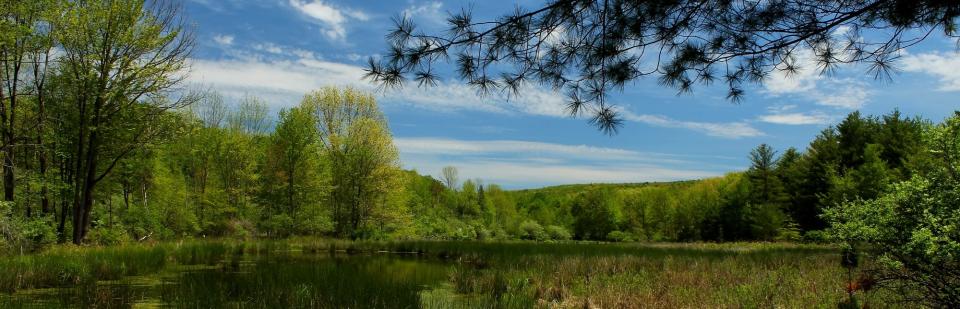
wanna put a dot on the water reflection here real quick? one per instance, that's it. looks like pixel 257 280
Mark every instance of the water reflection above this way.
pixel 286 280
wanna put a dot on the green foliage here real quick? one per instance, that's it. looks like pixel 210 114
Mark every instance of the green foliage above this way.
pixel 619 236
pixel 558 233
pixel 38 233
pixel 136 163
pixel 595 215
pixel 531 230
pixel 911 229
pixel 24 235
pixel 108 235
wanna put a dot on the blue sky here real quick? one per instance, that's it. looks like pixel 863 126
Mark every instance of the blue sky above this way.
pixel 280 49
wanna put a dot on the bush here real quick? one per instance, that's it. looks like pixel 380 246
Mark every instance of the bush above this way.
pixel 619 236
pixel 278 225
pixel 498 233
pixel 108 236
pixel 531 230
pixel 483 233
pixel 789 232
pixel 38 233
pixel 558 233
pixel 818 237
pixel 10 236
pixel 19 235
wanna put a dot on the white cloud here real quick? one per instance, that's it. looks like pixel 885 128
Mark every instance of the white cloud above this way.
pixel 333 18
pixel 270 48
pixel 807 83
pixel 785 114
pixel 945 66
pixel 527 163
pixel 841 31
pixel 796 118
pixel 285 81
pixel 429 11
pixel 224 40
pixel 841 93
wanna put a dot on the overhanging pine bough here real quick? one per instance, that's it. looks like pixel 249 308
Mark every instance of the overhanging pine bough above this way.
pixel 588 47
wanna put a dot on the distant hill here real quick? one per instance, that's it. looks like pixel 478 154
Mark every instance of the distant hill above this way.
pixel 567 188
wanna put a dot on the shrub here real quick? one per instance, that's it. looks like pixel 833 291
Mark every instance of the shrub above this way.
pixel 558 233
pixel 789 232
pixel 531 230
pixel 108 235
pixel 619 236
pixel 38 233
pixel 10 236
pixel 24 235
pixel 278 225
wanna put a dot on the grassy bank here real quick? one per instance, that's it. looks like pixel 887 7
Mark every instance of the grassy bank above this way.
pixel 503 274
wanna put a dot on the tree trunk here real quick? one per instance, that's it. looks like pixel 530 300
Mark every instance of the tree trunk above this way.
pixel 39 81
pixel 42 158
pixel 8 179
pixel 126 195
pixel 8 119
pixel 65 178
pixel 89 184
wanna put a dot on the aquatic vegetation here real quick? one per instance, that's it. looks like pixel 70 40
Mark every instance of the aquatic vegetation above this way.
pixel 322 273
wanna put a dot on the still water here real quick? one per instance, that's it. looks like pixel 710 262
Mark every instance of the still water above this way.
pixel 288 280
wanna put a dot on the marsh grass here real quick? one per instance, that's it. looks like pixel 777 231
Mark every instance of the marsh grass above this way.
pixel 696 279
pixel 71 265
pixel 323 273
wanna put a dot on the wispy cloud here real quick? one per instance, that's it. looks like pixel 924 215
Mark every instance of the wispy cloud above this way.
pixel 807 83
pixel 331 17
pixel 429 11
pixel 528 164
pixel 734 130
pixel 223 40
pixel 787 115
pixel 945 66
pixel 795 118
pixel 285 74
pixel 461 147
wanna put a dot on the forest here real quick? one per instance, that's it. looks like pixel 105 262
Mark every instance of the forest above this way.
pixel 327 167
pixel 109 153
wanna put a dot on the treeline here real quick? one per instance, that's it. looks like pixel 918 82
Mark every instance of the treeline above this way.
pixel 782 196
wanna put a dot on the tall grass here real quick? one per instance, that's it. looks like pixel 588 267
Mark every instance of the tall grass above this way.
pixel 694 279
pixel 71 265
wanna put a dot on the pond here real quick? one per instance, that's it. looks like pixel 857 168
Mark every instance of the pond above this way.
pixel 317 273
pixel 279 280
